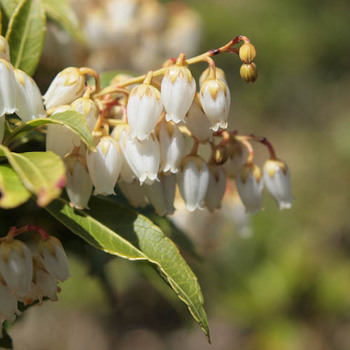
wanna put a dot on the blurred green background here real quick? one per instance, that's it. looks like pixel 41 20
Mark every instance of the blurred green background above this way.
pixel 285 287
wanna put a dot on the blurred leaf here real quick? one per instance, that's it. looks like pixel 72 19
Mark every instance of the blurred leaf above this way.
pixel 42 173
pixel 26 34
pixel 7 8
pixel 107 77
pixel 117 230
pixel 61 12
pixel 12 191
pixel 72 119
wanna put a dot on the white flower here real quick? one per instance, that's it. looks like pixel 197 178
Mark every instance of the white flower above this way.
pixel 277 180
pixel 220 74
pixel 4 49
pixel 215 98
pixel 193 180
pixel 172 146
pixel 8 304
pixel 177 91
pixel 104 165
pixel 88 109
pixel 28 99
pixel 46 285
pixel 134 193
pixel 16 266
pixel 197 122
pixel 250 185
pixel 144 109
pixel 59 138
pixel 79 185
pixel 54 258
pixel 7 88
pixel 236 158
pixel 67 86
pixel 216 188
pixel 143 157
pixel 2 128
pixel 161 194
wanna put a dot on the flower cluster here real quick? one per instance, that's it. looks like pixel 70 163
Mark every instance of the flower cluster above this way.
pixel 139 127
pixel 29 272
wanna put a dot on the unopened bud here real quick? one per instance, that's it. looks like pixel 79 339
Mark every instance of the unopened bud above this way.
pixel 248 72
pixel 220 155
pixel 247 53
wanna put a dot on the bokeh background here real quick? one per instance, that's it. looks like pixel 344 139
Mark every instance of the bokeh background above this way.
pixel 272 281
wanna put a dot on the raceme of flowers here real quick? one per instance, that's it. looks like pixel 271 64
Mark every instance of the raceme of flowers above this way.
pixel 139 126
pixel 29 271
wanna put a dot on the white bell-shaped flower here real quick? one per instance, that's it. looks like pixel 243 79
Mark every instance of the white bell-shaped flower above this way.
pixel 161 194
pixel 46 285
pixel 220 74
pixel 177 91
pixel 79 185
pixel 172 146
pixel 8 87
pixel 67 86
pixel 2 128
pixel 4 49
pixel 60 139
pixel 236 158
pixel 87 107
pixel 134 193
pixel 144 109
pixel 197 122
pixel 216 188
pixel 277 180
pixel 193 181
pixel 28 99
pixel 54 258
pixel 143 157
pixel 104 165
pixel 16 266
pixel 250 185
pixel 8 304
pixel 215 99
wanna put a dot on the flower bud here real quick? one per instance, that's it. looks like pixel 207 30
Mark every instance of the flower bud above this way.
pixel 172 146
pixel 193 180
pixel 236 157
pixel 134 193
pixel 220 155
pixel 197 122
pixel 8 305
pixel 54 258
pixel 7 88
pixel 28 99
pixel 161 194
pixel 220 74
pixel 215 98
pixel 4 49
pixel 143 157
pixel 2 128
pixel 277 180
pixel 216 188
pixel 16 266
pixel 144 109
pixel 67 86
pixel 79 185
pixel 88 108
pixel 248 72
pixel 104 165
pixel 247 53
pixel 177 92
pixel 250 185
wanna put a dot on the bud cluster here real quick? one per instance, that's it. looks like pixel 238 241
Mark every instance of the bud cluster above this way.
pixel 29 272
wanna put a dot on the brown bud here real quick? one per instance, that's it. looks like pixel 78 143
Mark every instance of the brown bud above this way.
pixel 248 72
pixel 220 155
pixel 247 53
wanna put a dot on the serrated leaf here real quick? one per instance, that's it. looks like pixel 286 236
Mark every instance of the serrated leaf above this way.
pixel 42 173
pixel 117 230
pixel 26 34
pixel 72 119
pixel 12 191
pixel 61 12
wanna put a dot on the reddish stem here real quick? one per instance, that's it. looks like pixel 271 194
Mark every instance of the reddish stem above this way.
pixel 14 231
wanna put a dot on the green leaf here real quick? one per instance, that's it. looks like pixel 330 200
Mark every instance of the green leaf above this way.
pixel 61 12
pixel 117 230
pixel 42 173
pixel 107 76
pixel 9 6
pixel 72 119
pixel 12 191
pixel 26 34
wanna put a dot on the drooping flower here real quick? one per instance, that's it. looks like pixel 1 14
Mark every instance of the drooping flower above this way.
pixel 236 157
pixel 220 74
pixel 8 304
pixel 216 187
pixel 193 180
pixel 177 91
pixel 250 185
pixel 277 180
pixel 134 193
pixel 7 88
pixel 88 108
